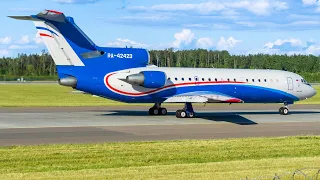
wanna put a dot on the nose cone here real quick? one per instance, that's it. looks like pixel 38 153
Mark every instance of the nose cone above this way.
pixel 311 92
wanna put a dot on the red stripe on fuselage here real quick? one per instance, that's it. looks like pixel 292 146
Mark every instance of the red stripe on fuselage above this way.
pixel 168 86
pixel 45 35
pixel 53 11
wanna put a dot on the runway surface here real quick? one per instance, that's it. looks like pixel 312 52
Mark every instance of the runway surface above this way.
pixel 30 126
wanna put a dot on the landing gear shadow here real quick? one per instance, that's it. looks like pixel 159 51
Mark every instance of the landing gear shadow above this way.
pixel 231 117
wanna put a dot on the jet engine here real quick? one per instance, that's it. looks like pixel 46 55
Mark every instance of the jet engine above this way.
pixel 148 79
pixel 68 81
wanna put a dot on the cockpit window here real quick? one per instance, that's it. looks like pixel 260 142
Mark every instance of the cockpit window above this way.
pixel 304 82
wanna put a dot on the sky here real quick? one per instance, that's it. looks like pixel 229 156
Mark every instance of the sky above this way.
pixel 241 27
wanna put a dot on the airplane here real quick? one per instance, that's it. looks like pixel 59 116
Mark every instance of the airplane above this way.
pixel 124 74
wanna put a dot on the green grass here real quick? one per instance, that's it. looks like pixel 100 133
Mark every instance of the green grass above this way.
pixel 43 95
pixel 191 159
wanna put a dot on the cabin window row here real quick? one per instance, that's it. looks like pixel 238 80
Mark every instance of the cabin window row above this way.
pixel 229 80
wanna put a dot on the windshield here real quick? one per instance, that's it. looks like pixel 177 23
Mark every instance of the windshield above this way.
pixel 304 82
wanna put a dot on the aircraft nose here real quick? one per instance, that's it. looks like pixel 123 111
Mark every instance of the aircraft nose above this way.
pixel 311 92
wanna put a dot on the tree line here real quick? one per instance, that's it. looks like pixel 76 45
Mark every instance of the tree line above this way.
pixel 42 67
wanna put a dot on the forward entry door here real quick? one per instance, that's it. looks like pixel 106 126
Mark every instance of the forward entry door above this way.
pixel 290 83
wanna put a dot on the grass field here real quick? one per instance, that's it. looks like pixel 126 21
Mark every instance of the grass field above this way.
pixel 192 159
pixel 43 95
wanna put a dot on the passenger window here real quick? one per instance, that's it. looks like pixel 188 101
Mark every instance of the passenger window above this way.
pixel 202 79
pixel 169 78
pixel 259 80
pixel 182 79
pixel 189 79
pixel 228 80
pixel 209 79
pixel 265 80
pixel 247 80
pixel 196 79
pixel 252 80
pixel 176 79
pixel 216 79
pixel 234 80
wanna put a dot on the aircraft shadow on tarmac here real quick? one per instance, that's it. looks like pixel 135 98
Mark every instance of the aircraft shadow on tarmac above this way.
pixel 232 117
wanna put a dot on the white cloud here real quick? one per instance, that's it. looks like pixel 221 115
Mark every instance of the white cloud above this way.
pixel 205 43
pixel 278 5
pixel 247 24
pixel 4 52
pixel 313 49
pixel 5 40
pixel 309 2
pixel 24 40
pixel 183 38
pixel 312 3
pixel 38 39
pixel 14 47
pixel 281 42
pixel 259 7
pixel 220 26
pixel 76 1
pixel 292 46
pixel 126 42
pixel 202 8
pixel 226 44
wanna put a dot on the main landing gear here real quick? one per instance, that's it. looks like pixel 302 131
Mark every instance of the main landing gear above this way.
pixel 186 112
pixel 157 110
pixel 284 110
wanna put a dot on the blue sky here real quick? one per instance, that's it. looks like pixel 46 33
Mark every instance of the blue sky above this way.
pixel 241 27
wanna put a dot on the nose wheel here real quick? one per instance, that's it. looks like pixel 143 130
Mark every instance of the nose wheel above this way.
pixel 157 110
pixel 284 111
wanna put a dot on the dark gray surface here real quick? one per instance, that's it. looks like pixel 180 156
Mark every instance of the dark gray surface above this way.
pixel 29 126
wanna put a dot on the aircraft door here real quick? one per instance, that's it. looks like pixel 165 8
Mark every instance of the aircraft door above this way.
pixel 290 83
pixel 196 80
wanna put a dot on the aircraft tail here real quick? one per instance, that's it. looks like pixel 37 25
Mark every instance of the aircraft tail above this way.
pixel 64 40
pixel 79 61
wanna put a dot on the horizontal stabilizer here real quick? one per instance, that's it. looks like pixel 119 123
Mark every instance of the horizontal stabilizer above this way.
pixel 47 15
pixel 28 18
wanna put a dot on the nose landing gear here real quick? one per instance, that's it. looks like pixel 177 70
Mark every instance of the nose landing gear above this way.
pixel 284 110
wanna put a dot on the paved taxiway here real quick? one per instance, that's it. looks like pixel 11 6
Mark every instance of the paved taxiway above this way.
pixel 25 126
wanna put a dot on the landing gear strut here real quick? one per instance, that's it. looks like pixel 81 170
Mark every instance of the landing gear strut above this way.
pixel 186 112
pixel 284 110
pixel 157 110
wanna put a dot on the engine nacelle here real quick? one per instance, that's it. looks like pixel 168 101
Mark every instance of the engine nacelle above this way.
pixel 68 81
pixel 148 79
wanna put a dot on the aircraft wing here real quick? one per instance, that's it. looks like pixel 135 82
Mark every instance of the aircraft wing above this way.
pixel 203 97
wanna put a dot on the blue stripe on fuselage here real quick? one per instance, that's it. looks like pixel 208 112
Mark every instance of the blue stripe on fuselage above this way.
pixel 247 93
pixel 46 29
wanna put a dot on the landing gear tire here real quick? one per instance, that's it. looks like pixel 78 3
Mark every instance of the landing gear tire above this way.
pixel 151 111
pixel 155 111
pixel 158 111
pixel 191 115
pixel 163 111
pixel 181 114
pixel 284 111
pixel 178 112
